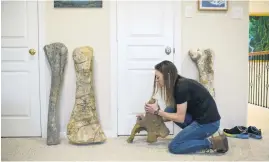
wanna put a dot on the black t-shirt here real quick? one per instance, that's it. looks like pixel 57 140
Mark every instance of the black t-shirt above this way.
pixel 200 104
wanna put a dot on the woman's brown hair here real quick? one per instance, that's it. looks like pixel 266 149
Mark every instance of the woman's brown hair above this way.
pixel 170 75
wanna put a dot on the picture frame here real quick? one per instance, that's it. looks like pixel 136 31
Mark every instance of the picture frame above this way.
pixel 258 33
pixel 78 4
pixel 213 5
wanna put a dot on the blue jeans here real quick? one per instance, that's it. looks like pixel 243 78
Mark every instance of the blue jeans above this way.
pixel 193 137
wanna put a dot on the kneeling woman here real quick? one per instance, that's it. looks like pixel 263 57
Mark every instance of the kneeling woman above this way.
pixel 192 108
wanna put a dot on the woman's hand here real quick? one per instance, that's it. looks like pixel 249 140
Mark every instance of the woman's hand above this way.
pixel 151 108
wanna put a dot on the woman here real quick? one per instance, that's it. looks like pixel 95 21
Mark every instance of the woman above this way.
pixel 191 107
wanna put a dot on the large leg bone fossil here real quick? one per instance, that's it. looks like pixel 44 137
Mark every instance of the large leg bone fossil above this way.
pixel 203 59
pixel 153 124
pixel 84 126
pixel 56 54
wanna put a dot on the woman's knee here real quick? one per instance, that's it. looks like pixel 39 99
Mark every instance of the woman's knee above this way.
pixel 172 148
pixel 175 148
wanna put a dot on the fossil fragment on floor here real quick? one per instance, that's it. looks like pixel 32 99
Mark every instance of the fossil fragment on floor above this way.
pixel 153 124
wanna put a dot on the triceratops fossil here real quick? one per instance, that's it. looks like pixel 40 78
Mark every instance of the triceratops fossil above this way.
pixel 153 124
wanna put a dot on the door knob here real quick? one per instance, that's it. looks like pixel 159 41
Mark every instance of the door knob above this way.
pixel 168 50
pixel 32 51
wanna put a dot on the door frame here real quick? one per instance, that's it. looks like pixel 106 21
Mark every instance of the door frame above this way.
pixel 43 67
pixel 177 7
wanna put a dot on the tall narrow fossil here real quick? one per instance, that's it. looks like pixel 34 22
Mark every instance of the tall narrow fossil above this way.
pixel 56 54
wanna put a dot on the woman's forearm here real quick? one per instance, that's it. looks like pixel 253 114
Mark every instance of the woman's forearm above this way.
pixel 172 116
pixel 165 120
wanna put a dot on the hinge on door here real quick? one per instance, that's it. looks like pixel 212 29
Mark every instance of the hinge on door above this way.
pixel 174 50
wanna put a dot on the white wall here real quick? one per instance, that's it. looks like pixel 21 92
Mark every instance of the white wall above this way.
pixel 227 37
pixel 259 6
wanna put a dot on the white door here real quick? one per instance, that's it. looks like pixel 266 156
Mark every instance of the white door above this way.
pixel 145 29
pixel 20 106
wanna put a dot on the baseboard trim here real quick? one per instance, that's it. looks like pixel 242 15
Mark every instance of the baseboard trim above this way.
pixel 108 133
pixel 112 134
pixel 63 135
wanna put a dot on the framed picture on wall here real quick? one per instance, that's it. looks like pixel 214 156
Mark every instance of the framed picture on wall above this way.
pixel 213 5
pixel 258 32
pixel 78 4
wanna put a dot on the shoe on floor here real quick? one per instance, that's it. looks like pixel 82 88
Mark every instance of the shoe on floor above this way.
pixel 254 132
pixel 237 132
